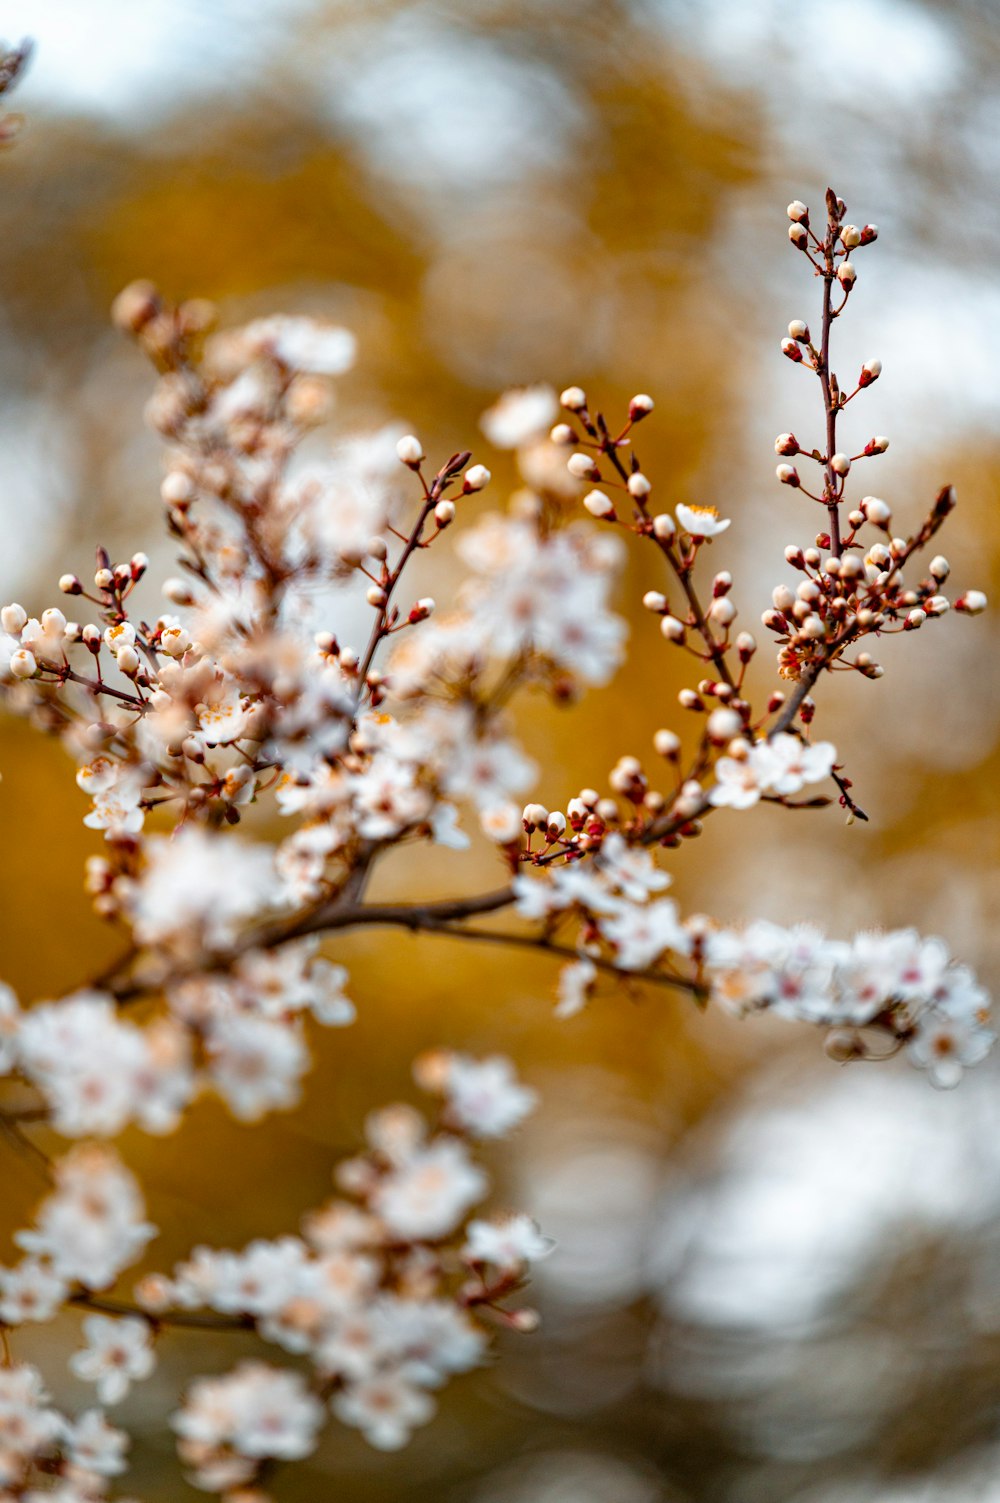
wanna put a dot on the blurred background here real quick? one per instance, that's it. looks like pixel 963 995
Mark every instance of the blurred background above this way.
pixel 776 1279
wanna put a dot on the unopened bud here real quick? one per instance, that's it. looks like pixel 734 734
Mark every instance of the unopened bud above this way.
pixel 444 513
pixel 22 663
pixel 672 629
pixel 422 609
pixel 850 236
pixel 972 603
pixel 791 349
pixel 535 817
pixel 723 724
pixel 787 444
pixel 582 467
pixel 745 646
pixel 410 450
pixel 788 475
pixel 840 464
pixel 599 505
pixel 667 743
pixel 639 486
pixel 640 406
pixel 798 236
pixel 664 527
pixel 654 600
pixel 70 585
pixel 376 596
pixel 574 399
pixel 797 212
pixel 562 434
pixel 940 568
pixel 128 660
pixel 876 445
pixel 476 479
pixel 876 511
pixel 846 275
pixel 798 330
pixel 869 233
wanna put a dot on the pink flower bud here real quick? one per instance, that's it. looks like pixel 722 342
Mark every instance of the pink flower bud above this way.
pixel 787 444
pixel 869 233
pixel 870 371
pixel 790 348
pixel 972 603
pixel 876 445
pixel 422 609
pixel 788 475
pixel 745 646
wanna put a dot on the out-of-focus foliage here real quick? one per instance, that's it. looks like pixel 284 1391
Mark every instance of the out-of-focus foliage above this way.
pixel 761 1304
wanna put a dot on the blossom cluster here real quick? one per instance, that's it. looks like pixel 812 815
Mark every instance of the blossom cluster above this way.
pixel 291 669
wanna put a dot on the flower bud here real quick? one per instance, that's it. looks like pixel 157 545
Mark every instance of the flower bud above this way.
pixel 940 568
pixel 582 467
pixel 178 592
pixel 689 700
pixel 135 307
pixel 138 564
pixel 723 724
pixel 599 505
pixel 177 488
pixel 664 527
pixel 444 513
pixel 563 435
pixel 376 596
pixel 654 600
pixel 869 233
pixel 876 445
pixel 722 583
pixel 70 584
pixel 972 603
pixel 846 275
pixel 791 350
pixel 640 406
pixel 787 444
pixel 574 399
pixel 813 627
pixel 410 450
pixel 672 629
pixel 876 511
pixel 422 609
pixel 535 817
pixel 174 641
pixel 840 464
pixel 638 486
pixel 782 598
pixel 788 475
pixel 104 579
pixel 798 236
pixel 870 371
pixel 667 743
pixel 850 236
pixel 91 637
pixel 128 659
pixel 722 610
pixel 22 663
pixel 798 330
pixel 14 618
pixel 745 646
pixel 793 556
pixel 937 605
pixel 555 826
pixel 477 477
pixel 916 618
pixel 797 212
